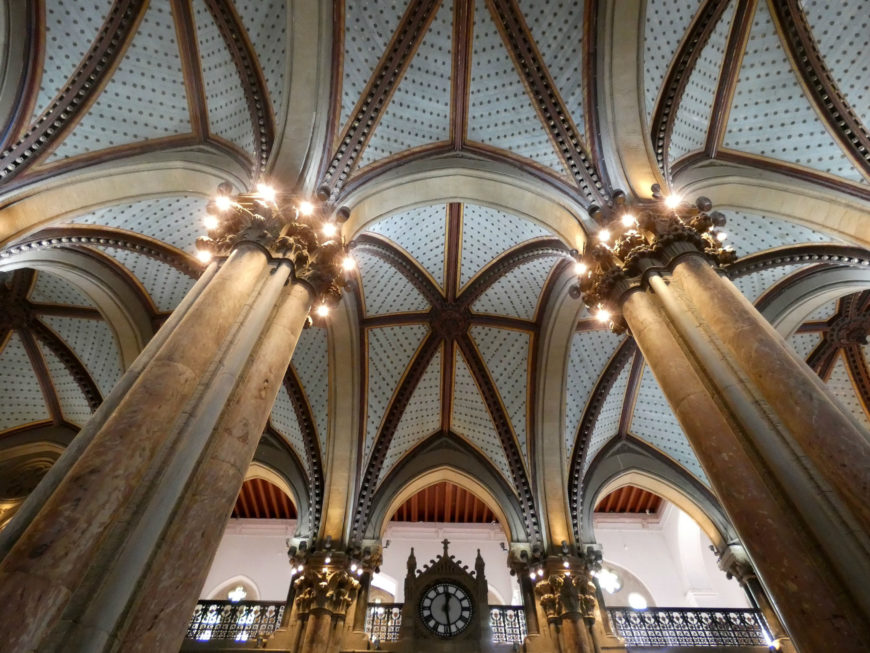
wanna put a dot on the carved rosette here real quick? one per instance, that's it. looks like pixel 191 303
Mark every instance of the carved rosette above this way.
pixel 650 238
pixel 284 232
pixel 330 589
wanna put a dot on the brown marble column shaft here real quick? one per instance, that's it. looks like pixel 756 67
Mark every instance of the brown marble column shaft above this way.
pixel 820 428
pixel 53 556
pixel 318 630
pixel 797 569
pixel 36 499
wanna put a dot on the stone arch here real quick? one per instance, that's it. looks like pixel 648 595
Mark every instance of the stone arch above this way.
pixel 446 458
pixel 269 458
pixel 631 462
pixel 454 179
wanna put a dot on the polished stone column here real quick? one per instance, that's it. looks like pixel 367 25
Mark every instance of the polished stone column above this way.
pixel 731 382
pixel 115 557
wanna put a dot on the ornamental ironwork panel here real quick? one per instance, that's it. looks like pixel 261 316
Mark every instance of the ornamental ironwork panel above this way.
pixel 383 621
pixel 508 624
pixel 239 622
pixel 688 627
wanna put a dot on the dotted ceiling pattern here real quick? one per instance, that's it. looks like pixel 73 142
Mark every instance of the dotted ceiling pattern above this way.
pixel 500 112
pixel 665 23
pixel 165 285
pixel 52 289
pixel 285 422
pixel 94 344
pixel 17 380
pixel 506 354
pixel 389 351
pixel 228 114
pixel 368 27
pixel 607 424
pixel 385 289
pixel 472 420
pixel 265 21
pixel 590 352
pixel 70 29
pixel 840 383
pixel 73 403
pixel 177 221
pixel 311 363
pixel 693 115
pixel 769 102
pixel 421 418
pixel 487 232
pixel 516 293
pixel 749 233
pixel 756 284
pixel 557 28
pixel 144 99
pixel 804 343
pixel 653 421
pixel 842 33
pixel 419 111
pixel 421 232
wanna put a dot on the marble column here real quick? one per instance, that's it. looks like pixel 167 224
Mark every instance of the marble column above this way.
pixel 116 556
pixel 731 380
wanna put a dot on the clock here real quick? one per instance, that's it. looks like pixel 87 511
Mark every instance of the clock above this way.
pixel 446 609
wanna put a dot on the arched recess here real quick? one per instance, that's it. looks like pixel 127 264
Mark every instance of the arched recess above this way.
pixel 631 462
pixel 157 174
pixel 761 191
pixel 787 305
pixel 123 309
pixel 458 179
pixel 445 457
pixel 276 463
pixel 221 591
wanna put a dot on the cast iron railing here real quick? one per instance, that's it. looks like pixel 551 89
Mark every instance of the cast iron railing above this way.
pixel 688 627
pixel 508 622
pixel 383 621
pixel 240 622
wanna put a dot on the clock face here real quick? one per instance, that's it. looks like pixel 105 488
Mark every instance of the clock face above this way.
pixel 446 609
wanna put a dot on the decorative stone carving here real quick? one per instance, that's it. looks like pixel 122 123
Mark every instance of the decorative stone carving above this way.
pixel 326 589
pixel 284 231
pixel 650 239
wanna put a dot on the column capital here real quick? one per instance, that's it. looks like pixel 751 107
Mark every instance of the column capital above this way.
pixel 564 588
pixel 326 586
pixel 638 241
pixel 285 227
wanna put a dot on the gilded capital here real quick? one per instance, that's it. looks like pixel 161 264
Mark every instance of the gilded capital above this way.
pixel 295 231
pixel 637 241
pixel 326 589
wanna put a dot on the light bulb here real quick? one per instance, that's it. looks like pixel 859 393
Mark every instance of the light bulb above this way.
pixel 673 201
pixel 348 263
pixel 329 229
pixel 532 575
pixel 721 236
pixel 323 310
pixel 604 235
pixel 327 560
pixel 300 569
pixel 223 202
pixel 203 255
pixel 540 572
pixel 628 220
pixel 359 571
pixel 580 268
pixel 603 315
pixel 210 222
pixel 566 564
pixel 353 566
pixel 326 570
pixel 266 192
pixel 306 208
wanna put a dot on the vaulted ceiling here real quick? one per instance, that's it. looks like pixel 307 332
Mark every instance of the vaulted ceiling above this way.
pixel 127 113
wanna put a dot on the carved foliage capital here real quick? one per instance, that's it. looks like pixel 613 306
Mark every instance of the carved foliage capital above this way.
pixel 331 589
pixel 562 594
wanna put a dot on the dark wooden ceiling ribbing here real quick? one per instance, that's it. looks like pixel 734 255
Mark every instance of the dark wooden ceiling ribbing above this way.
pixel 260 499
pixel 630 499
pixel 444 502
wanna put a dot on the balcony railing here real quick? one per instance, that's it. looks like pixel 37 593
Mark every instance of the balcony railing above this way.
pixel 239 622
pixel 508 622
pixel 656 627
